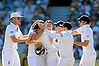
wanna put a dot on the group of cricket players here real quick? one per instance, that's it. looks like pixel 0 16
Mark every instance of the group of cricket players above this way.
pixel 48 47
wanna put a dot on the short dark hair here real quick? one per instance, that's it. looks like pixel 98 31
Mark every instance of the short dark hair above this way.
pixel 67 25
pixel 84 18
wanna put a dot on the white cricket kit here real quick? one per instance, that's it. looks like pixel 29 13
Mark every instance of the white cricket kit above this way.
pixel 52 57
pixel 66 47
pixel 10 55
pixel 33 58
pixel 89 53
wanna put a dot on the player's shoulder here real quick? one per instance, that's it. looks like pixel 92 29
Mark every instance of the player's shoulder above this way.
pixel 9 27
pixel 53 31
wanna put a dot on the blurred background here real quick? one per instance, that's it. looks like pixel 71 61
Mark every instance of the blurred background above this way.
pixel 66 10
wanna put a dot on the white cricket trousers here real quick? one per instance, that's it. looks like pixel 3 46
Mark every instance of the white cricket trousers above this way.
pixel 52 59
pixel 88 60
pixel 34 60
pixel 65 62
pixel 10 58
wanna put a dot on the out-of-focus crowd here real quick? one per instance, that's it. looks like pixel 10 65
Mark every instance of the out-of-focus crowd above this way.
pixel 91 8
pixel 38 9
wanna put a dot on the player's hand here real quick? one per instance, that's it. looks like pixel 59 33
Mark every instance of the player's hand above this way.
pixel 38 45
pixel 42 25
pixel 46 23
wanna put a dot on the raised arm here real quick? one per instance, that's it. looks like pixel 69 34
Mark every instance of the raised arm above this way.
pixel 53 35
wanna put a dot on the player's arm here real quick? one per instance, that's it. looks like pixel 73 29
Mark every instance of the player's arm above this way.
pixel 77 31
pixel 53 35
pixel 85 43
pixel 12 34
pixel 74 33
pixel 39 34
pixel 29 42
pixel 33 37
pixel 23 36
pixel 15 40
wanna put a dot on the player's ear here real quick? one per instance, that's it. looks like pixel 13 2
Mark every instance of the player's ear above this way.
pixel 85 22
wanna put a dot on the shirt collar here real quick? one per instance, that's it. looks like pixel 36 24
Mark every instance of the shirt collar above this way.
pixel 15 26
pixel 86 25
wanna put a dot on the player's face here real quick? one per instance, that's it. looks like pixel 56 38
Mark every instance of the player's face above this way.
pixel 17 20
pixel 65 28
pixel 41 25
pixel 49 26
pixel 58 28
pixel 81 23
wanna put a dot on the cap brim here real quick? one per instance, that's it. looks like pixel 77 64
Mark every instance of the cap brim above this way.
pixel 78 19
pixel 9 19
pixel 12 17
pixel 55 23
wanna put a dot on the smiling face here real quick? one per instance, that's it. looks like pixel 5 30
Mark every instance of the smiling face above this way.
pixel 49 26
pixel 58 29
pixel 81 23
pixel 16 20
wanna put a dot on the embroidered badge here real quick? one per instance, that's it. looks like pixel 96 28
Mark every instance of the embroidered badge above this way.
pixel 11 32
pixel 8 62
pixel 16 30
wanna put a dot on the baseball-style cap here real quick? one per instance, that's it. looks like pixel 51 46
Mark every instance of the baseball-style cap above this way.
pixel 49 21
pixel 15 14
pixel 67 25
pixel 36 23
pixel 59 23
pixel 84 18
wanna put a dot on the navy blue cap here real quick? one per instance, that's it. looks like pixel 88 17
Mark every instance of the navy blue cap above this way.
pixel 59 23
pixel 84 18
pixel 67 25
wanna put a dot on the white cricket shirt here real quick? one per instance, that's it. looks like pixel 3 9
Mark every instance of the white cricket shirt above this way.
pixel 86 34
pixel 66 45
pixel 45 40
pixel 10 31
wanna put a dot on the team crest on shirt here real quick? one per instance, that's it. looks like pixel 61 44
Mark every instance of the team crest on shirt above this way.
pixel 82 31
pixel 11 32
pixel 16 30
pixel 87 36
pixel 8 62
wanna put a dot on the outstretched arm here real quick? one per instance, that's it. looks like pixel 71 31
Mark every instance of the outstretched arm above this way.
pixel 74 33
pixel 53 35
pixel 85 43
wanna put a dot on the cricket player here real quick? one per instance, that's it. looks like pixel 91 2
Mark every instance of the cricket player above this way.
pixel 66 44
pixel 36 55
pixel 13 36
pixel 89 54
pixel 58 29
pixel 51 50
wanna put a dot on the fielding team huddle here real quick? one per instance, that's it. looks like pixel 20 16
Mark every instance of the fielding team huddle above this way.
pixel 47 47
